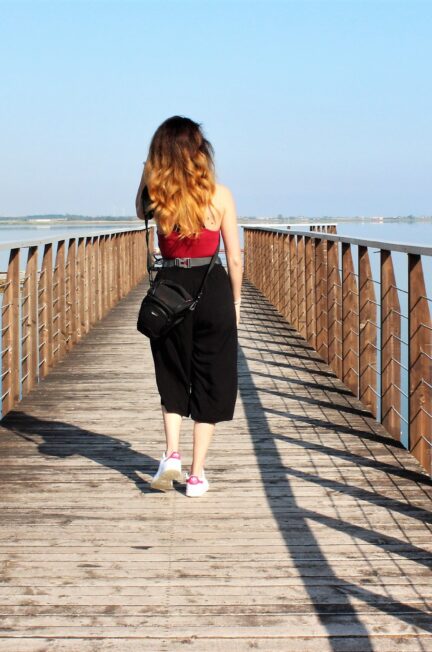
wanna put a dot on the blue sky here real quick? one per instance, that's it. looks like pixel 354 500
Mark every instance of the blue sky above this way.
pixel 313 108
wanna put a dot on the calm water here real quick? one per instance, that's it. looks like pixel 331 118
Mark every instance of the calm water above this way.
pixel 19 234
pixel 413 233
pixel 408 233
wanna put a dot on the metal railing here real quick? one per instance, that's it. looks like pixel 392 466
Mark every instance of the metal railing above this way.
pixel 46 311
pixel 322 283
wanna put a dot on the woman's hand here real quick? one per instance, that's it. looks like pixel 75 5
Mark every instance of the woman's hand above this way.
pixel 237 309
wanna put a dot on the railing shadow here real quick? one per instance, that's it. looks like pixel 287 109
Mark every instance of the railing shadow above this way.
pixel 282 502
pixel 61 440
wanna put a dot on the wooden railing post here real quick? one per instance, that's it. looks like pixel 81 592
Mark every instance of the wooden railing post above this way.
pixel 131 261
pixel 420 364
pixel 82 288
pixel 293 280
pixel 118 273
pixel 287 277
pixel 105 273
pixel 55 313
pixel 60 303
pixel 46 312
pixel 11 334
pixel 111 272
pixel 278 277
pixel 390 348
pixel 367 333
pixel 321 298
pixel 123 264
pixel 72 313
pixel 91 280
pixel 272 268
pixel 30 323
pixel 265 268
pixel 301 286
pixel 310 283
pixel 350 313
pixel 246 238
pixel 334 320
pixel 98 278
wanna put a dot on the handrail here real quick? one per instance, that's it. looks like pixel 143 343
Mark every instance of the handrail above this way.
pixel 364 242
pixel 46 311
pixel 37 242
pixel 366 339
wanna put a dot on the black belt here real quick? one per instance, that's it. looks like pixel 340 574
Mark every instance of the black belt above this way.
pixel 188 262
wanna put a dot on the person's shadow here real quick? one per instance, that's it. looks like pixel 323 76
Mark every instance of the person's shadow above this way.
pixel 62 440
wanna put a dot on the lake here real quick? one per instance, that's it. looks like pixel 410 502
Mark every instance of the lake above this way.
pixel 407 232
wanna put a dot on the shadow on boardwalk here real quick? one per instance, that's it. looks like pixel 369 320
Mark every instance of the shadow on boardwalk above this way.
pixel 334 615
pixel 63 440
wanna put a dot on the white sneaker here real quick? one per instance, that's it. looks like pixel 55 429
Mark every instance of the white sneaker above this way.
pixel 196 486
pixel 169 470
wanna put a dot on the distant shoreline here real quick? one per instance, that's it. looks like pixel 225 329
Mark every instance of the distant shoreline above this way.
pixel 131 221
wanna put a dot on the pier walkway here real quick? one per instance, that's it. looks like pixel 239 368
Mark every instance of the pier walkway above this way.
pixel 315 534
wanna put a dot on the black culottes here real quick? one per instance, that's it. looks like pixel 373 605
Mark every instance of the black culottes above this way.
pixel 196 361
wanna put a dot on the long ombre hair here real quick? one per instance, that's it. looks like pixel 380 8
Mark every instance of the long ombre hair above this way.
pixel 180 176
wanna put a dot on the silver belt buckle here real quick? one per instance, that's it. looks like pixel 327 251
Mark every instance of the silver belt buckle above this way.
pixel 182 262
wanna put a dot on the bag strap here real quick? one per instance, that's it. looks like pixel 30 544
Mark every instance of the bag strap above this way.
pixel 148 214
pixel 210 265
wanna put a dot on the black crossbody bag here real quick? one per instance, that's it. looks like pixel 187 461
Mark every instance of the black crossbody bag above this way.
pixel 166 303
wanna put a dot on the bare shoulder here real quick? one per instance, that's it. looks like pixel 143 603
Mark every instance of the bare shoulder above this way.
pixel 224 200
pixel 223 193
pixel 229 226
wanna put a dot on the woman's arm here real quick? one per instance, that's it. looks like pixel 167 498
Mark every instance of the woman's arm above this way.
pixel 138 201
pixel 229 230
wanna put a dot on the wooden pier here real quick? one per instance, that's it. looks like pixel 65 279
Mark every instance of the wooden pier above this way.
pixel 315 535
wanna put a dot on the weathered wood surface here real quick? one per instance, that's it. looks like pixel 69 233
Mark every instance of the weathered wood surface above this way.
pixel 314 536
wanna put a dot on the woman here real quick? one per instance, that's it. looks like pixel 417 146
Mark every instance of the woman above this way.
pixel 196 361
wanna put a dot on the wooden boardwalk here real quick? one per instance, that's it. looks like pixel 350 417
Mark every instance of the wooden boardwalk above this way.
pixel 314 536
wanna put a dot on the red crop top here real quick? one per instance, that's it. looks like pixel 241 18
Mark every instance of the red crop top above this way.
pixel 204 245
pixel 172 247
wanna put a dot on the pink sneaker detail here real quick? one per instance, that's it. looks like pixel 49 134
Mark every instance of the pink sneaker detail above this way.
pixel 174 456
pixel 194 479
